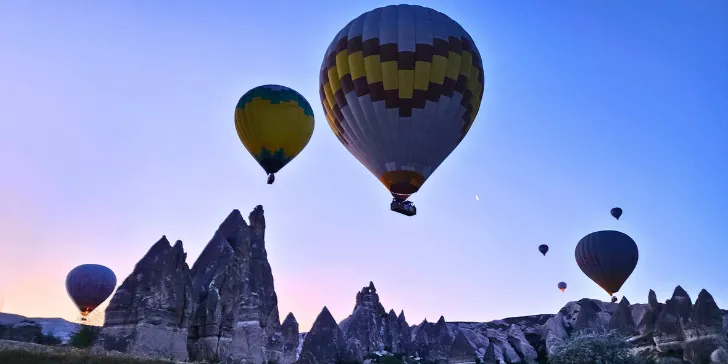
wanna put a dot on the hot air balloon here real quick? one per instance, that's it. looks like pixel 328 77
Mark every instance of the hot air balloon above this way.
pixel 607 257
pixel 614 299
pixel 401 86
pixel 89 285
pixel 274 123
pixel 616 212
pixel 562 286
pixel 543 248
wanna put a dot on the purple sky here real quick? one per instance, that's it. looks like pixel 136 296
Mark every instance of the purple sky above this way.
pixel 116 127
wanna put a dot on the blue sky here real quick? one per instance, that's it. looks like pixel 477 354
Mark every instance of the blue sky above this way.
pixel 116 127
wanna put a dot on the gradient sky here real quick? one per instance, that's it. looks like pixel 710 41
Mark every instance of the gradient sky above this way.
pixel 116 127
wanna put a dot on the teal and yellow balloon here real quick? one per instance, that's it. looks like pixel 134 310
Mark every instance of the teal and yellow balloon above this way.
pixel 274 124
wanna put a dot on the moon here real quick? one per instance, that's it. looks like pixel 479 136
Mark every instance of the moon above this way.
pixel 476 197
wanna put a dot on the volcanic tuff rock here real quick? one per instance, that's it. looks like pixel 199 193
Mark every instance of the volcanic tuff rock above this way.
pixel 289 330
pixel 225 308
pixel 622 320
pixel 25 330
pixel 236 320
pixel 324 343
pixel 149 312
pixel 461 352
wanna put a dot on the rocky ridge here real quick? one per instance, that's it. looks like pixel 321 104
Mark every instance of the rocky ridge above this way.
pixel 224 309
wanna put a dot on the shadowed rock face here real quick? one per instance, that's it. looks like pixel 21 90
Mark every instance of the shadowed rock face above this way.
pixel 149 312
pixel 25 330
pixel 369 328
pixel 622 320
pixel 289 330
pixel 324 344
pixel 225 309
pixel 236 320
pixel 440 341
pixel 704 332
pixel 461 352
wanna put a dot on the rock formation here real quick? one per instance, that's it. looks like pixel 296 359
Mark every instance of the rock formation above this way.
pixel 236 319
pixel 325 343
pixel 370 328
pixel 25 330
pixel 225 309
pixel 289 330
pixel 461 352
pixel 622 320
pixel 149 312
pixel 704 332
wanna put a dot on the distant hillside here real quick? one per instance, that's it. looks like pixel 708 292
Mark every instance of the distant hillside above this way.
pixel 56 326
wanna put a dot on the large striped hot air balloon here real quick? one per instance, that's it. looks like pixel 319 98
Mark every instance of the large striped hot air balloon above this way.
pixel 274 124
pixel 401 86
pixel 608 258
pixel 89 285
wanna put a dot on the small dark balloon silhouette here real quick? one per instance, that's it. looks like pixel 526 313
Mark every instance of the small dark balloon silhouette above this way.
pixel 543 248
pixel 562 286
pixel 616 212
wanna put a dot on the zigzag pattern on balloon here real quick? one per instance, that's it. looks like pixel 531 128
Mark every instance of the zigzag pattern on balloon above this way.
pixel 400 87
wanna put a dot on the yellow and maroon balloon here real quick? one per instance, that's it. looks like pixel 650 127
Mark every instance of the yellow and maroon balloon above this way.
pixel 274 124
pixel 400 86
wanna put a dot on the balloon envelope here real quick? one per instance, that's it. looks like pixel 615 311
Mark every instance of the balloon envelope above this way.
pixel 562 286
pixel 89 285
pixel 400 86
pixel 616 212
pixel 608 258
pixel 543 248
pixel 274 123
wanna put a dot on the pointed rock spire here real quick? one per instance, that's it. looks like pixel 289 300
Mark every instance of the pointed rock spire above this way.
pixel 324 343
pixel 289 330
pixel 622 320
pixel 289 320
pixel 461 349
pixel 257 220
pixel 706 313
pixel 392 316
pixel 683 304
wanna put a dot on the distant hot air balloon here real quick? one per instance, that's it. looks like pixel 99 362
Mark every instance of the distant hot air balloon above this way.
pixel 89 285
pixel 543 248
pixel 401 86
pixel 274 123
pixel 614 299
pixel 616 212
pixel 562 286
pixel 607 257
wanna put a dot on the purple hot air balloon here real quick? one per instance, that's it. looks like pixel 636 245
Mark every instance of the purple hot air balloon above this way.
pixel 543 248
pixel 608 257
pixel 89 285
